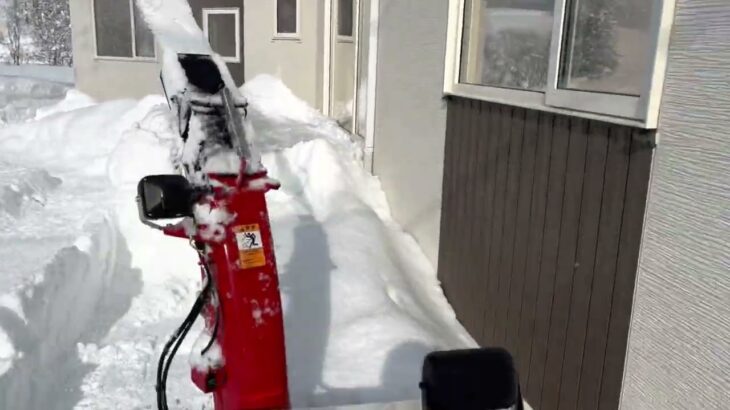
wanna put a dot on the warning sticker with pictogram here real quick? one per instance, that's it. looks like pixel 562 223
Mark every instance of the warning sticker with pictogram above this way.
pixel 250 246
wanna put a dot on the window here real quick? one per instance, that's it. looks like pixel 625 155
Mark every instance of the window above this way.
pixel 222 27
pixel 506 43
pixel 345 18
pixel 601 59
pixel 287 19
pixel 121 32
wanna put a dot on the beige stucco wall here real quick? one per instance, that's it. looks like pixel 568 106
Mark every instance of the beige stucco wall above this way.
pixel 410 115
pixel 679 344
pixel 297 62
pixel 106 79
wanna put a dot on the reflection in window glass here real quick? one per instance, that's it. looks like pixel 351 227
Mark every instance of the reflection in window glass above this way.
pixel 506 43
pixel 222 34
pixel 113 26
pixel 345 17
pixel 607 46
pixel 144 39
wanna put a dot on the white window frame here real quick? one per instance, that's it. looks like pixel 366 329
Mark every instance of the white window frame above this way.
pixel 288 36
pixel 133 27
pixel 641 111
pixel 236 12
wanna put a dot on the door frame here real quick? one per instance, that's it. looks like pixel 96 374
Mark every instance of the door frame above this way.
pixel 372 61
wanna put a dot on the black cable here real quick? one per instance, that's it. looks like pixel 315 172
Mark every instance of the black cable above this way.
pixel 215 333
pixel 167 356
pixel 187 326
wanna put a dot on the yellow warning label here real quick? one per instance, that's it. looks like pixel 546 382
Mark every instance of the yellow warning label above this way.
pixel 250 246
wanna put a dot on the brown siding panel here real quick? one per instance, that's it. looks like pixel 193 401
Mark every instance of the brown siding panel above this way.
pixel 508 230
pixel 570 221
pixel 585 264
pixel 548 262
pixel 534 246
pixel 637 188
pixel 519 250
pixel 605 273
pixel 502 162
pixel 540 233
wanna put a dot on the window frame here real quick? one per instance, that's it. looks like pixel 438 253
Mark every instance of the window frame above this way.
pixel 288 36
pixel 236 11
pixel 641 111
pixel 132 26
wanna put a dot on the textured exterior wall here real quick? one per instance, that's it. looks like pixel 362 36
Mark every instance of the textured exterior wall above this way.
pixel 410 115
pixel 106 79
pixel 679 345
pixel 297 62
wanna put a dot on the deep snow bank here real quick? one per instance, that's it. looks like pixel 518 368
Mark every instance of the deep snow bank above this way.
pixel 21 98
pixel 84 290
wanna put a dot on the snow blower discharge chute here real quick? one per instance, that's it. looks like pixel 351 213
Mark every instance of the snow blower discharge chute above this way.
pixel 225 218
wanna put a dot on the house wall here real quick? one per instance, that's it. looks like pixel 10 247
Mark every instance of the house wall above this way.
pixel 410 114
pixel 106 79
pixel 540 233
pixel 679 346
pixel 297 62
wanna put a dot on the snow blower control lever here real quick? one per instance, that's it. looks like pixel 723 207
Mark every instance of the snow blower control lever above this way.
pixel 225 218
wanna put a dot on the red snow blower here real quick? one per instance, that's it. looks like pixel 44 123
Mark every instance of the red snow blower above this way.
pixel 244 364
pixel 225 218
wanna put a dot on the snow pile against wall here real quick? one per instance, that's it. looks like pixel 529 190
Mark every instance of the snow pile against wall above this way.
pixel 21 98
pixel 280 119
pixel 73 100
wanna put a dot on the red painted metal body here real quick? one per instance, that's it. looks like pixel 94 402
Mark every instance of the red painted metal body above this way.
pixel 251 330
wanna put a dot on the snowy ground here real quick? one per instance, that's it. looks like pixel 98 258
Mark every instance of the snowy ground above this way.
pixel 89 294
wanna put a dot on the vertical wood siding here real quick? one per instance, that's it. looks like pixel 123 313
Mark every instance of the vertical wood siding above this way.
pixel 539 243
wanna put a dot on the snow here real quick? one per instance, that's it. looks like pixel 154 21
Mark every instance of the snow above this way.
pixel 213 221
pixel 99 292
pixel 90 294
pixel 22 97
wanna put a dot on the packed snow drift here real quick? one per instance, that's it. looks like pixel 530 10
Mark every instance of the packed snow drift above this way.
pixel 90 294
pixel 26 89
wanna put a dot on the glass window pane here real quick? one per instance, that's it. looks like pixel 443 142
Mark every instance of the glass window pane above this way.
pixel 286 16
pixel 113 25
pixel 345 17
pixel 143 37
pixel 222 34
pixel 607 46
pixel 506 43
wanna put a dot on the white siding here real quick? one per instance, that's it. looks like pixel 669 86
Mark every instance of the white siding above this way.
pixel 679 345
pixel 298 62
pixel 410 115
pixel 106 79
